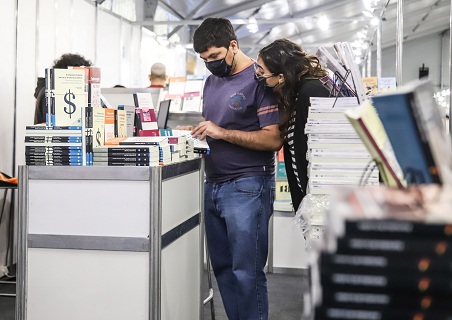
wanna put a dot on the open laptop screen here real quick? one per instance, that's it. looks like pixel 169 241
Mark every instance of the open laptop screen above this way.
pixel 162 115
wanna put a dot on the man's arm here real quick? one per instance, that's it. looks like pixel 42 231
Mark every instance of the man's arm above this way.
pixel 266 139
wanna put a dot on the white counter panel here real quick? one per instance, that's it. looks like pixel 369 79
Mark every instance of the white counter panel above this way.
pixel 89 207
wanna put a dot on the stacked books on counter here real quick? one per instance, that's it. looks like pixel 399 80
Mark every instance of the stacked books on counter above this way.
pixel 387 255
pixel 57 146
pixel 134 151
pixel 336 157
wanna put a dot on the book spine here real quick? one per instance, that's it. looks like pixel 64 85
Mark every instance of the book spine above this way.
pixel 380 155
pixel 422 131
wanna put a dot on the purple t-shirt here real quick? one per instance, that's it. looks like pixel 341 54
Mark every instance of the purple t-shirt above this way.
pixel 238 102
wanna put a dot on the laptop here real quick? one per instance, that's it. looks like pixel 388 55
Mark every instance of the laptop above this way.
pixel 162 115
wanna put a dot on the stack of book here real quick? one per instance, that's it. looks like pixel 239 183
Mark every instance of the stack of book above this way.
pixel 386 256
pixel 160 142
pixel 127 156
pixel 336 154
pixel 67 136
pixel 178 147
pixel 54 146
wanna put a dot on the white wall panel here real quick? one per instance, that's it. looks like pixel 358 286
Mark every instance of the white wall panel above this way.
pixel 63 26
pixel 109 49
pixel 46 36
pixel 26 76
pixel 84 29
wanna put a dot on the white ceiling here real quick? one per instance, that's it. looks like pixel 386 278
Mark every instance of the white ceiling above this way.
pixel 298 20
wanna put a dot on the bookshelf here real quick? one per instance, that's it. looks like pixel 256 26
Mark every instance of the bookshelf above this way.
pixel 128 250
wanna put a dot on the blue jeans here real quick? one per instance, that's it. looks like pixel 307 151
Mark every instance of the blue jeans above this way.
pixel 237 213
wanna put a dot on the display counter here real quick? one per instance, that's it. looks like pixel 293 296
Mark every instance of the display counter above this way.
pixel 110 242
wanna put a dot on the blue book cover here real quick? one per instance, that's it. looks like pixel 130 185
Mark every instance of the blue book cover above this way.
pixel 412 153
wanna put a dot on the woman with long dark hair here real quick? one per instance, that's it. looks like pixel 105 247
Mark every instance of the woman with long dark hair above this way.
pixel 294 76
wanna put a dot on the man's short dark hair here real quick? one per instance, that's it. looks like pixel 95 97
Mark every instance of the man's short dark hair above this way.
pixel 71 60
pixel 213 32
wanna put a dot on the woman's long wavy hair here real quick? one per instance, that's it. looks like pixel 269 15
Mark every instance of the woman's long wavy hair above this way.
pixel 288 58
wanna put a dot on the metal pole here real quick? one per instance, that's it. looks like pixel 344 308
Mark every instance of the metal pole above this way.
pixel 369 62
pixel 399 42
pixel 379 50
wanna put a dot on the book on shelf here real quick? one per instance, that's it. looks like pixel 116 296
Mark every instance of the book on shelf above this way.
pixel 126 149
pixel 66 95
pixel 92 85
pixel 370 85
pixel 387 84
pixel 121 123
pixel 130 118
pixel 367 124
pixel 146 122
pixel 345 53
pixel 143 100
pixel 199 146
pixel 157 140
pixel 109 124
pixel 415 128
pixel 98 127
pixel 332 63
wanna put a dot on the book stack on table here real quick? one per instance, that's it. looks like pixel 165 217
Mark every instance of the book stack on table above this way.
pixel 387 264
pixel 54 146
pixel 133 151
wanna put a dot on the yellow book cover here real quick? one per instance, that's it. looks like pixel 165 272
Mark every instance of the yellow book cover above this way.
pixel 98 127
pixel 370 129
pixel 370 85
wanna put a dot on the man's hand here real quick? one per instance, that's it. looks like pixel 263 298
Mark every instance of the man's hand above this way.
pixel 208 128
pixel 264 139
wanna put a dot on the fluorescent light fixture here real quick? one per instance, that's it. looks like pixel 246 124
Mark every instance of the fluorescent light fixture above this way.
pixel 375 21
pixel 361 35
pixel 324 23
pixel 252 25
pixel 367 13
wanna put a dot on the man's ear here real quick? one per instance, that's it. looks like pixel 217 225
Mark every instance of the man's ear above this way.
pixel 234 45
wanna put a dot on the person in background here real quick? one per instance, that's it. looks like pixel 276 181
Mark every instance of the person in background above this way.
pixel 158 76
pixel 241 128
pixel 66 60
pixel 294 76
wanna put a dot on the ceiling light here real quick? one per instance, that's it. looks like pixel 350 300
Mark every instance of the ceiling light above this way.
pixel 323 23
pixel 375 21
pixel 252 25
pixel 361 34
pixel 367 14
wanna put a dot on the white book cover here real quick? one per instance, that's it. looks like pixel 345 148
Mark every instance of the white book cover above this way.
pixel 68 89
pixel 143 100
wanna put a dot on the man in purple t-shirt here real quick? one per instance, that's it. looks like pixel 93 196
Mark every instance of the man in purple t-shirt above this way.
pixel 241 127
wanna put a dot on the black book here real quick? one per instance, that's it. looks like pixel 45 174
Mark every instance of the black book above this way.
pixel 385 301
pixel 390 228
pixel 326 313
pixel 386 283
pixel 120 164
pixel 376 264
pixel 372 246
pixel 121 154
pixel 122 159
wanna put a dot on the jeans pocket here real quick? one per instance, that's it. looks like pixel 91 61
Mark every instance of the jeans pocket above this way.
pixel 251 185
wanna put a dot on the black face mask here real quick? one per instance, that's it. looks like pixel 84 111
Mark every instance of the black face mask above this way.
pixel 219 67
pixel 261 79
